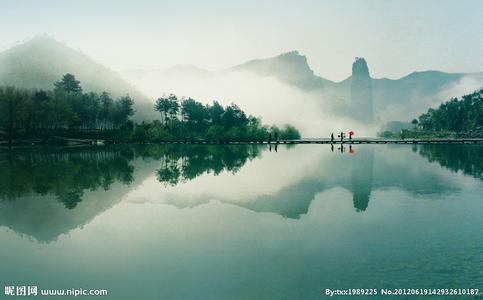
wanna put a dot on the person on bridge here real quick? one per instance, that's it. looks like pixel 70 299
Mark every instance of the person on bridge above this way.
pixel 351 133
pixel 332 137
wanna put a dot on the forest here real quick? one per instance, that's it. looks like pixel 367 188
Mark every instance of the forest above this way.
pixel 463 115
pixel 68 112
pixel 454 118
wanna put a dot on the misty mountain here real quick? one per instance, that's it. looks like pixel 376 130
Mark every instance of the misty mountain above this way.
pixel 365 100
pixel 40 62
pixel 176 71
pixel 291 68
pixel 361 92
pixel 423 83
pixel 404 96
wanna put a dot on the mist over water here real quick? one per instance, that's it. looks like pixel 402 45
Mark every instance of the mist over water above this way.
pixel 259 223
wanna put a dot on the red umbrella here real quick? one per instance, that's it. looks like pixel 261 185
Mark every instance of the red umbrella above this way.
pixel 351 132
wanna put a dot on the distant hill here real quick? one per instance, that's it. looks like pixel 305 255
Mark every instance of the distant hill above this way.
pixel 396 97
pixel 42 61
pixel 290 67
pixel 391 99
pixel 176 71
pixel 421 86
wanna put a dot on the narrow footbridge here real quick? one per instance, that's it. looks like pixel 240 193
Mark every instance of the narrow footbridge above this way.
pixel 337 141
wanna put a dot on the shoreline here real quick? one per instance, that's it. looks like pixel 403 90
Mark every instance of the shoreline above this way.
pixel 326 141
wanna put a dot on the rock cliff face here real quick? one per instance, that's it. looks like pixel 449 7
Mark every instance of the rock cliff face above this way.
pixel 361 92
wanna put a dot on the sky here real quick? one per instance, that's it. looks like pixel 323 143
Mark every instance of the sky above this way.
pixel 396 37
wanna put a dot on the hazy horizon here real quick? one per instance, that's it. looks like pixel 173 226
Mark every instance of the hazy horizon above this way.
pixel 396 38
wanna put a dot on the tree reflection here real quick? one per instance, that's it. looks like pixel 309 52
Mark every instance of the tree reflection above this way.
pixel 65 173
pixel 465 158
pixel 69 173
pixel 181 164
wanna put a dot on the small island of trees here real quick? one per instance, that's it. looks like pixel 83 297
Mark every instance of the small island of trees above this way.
pixel 68 112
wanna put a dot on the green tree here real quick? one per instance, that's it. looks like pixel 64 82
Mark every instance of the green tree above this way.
pixel 161 106
pixel 216 112
pixel 122 111
pixel 105 112
pixel 69 84
pixel 194 113
pixel 40 99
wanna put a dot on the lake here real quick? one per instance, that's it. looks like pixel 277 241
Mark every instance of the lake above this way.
pixel 241 221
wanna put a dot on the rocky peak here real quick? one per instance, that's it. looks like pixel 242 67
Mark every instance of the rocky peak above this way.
pixel 359 67
pixel 295 61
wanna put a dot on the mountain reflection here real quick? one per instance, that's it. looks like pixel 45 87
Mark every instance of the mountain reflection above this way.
pixel 45 192
pixel 361 178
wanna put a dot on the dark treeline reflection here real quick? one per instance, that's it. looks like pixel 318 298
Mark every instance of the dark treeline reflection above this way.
pixel 465 158
pixel 180 164
pixel 67 173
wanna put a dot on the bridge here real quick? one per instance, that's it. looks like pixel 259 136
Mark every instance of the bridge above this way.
pixel 71 141
pixel 337 141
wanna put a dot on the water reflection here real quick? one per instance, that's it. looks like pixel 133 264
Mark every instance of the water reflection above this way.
pixel 68 173
pixel 180 164
pixel 465 158
pixel 361 178
pixel 65 173
pixel 41 189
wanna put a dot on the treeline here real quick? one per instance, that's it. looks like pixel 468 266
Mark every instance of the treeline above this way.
pixel 463 115
pixel 187 118
pixel 454 118
pixel 25 113
pixel 66 111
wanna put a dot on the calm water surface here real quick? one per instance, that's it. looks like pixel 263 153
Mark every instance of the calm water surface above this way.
pixel 241 222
